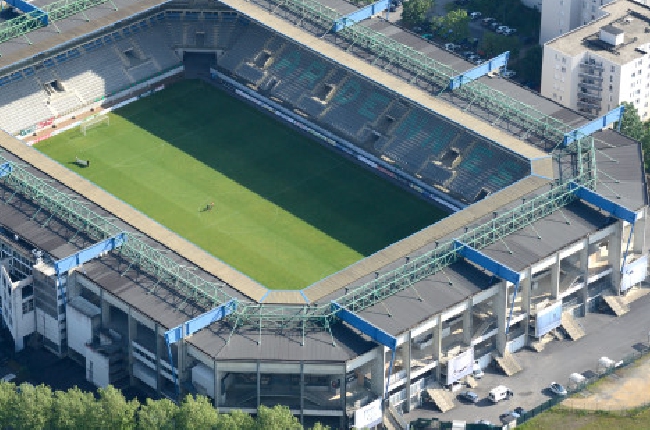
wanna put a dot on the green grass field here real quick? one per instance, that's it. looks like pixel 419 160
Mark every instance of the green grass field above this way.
pixel 287 212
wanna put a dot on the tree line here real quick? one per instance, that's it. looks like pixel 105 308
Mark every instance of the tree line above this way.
pixel 38 407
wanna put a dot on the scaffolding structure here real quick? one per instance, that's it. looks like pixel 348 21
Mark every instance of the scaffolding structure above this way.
pixel 56 11
pixel 209 294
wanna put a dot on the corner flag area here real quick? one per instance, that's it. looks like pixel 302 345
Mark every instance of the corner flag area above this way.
pixel 258 195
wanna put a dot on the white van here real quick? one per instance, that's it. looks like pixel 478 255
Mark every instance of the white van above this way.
pixel 500 393
pixel 477 372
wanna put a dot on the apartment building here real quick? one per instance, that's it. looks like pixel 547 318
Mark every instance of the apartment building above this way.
pixel 596 67
pixel 562 16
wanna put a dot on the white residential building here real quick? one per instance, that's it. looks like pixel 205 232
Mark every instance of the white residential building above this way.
pixel 597 66
pixel 562 16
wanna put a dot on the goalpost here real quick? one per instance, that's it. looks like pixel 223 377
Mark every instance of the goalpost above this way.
pixel 94 121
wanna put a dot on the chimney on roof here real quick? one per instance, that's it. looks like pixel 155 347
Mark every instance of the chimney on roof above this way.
pixel 612 35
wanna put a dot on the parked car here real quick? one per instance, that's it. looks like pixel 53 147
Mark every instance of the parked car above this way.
pixel 508 73
pixel 486 422
pixel 557 389
pixel 478 60
pixel 467 54
pixel 451 47
pixel 509 416
pixel 475 15
pixel 487 21
pixel 469 396
pixel 494 25
pixel 509 31
pixel 521 411
pixel 502 29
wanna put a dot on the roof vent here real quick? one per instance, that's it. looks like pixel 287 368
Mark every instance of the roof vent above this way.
pixel 612 35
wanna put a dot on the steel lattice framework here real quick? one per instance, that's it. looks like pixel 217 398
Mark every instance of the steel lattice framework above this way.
pixel 56 11
pixel 422 66
pixel 208 294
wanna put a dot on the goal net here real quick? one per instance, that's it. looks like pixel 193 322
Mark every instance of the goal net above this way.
pixel 93 122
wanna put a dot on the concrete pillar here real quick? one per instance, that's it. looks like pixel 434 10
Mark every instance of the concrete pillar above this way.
pixel 302 393
pixel 217 384
pixel 159 347
pixel 500 304
pixel 555 278
pixel 378 372
pixel 181 363
pixel 132 334
pixel 639 234
pixel 406 359
pixel 525 293
pixel 614 255
pixel 437 346
pixel 468 322
pixel 259 384
pixel 344 391
pixel 105 308
pixel 584 268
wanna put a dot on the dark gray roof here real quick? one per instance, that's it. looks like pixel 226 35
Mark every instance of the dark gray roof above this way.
pixel 407 310
pixel 554 234
pixel 44 39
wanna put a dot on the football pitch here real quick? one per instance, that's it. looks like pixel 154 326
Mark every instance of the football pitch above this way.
pixel 287 211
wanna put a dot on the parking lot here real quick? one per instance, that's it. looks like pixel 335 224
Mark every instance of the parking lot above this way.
pixel 606 336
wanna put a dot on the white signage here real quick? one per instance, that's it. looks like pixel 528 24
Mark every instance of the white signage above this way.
pixel 548 319
pixel 460 366
pixel 368 416
pixel 634 273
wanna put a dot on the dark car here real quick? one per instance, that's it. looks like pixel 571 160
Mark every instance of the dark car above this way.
pixel 521 411
pixel 469 396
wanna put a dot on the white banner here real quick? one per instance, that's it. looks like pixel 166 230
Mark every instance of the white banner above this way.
pixel 368 416
pixel 548 319
pixel 634 273
pixel 460 366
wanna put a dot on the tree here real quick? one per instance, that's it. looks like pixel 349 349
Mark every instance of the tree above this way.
pixel 414 12
pixel 278 417
pixel 453 26
pixel 33 407
pixel 631 124
pixel 119 414
pixel 319 426
pixel 529 67
pixel 236 420
pixel 7 401
pixel 196 414
pixel 494 44
pixel 158 415
pixel 75 409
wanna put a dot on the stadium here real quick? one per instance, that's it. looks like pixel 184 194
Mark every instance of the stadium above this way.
pixel 546 206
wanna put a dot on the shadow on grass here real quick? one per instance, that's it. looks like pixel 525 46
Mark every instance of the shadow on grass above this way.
pixel 292 171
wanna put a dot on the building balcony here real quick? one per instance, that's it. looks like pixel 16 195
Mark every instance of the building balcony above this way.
pixel 585 104
pixel 589 97
pixel 590 86
pixel 595 76
pixel 592 65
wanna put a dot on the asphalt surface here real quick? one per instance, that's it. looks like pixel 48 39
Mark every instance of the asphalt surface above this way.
pixel 606 336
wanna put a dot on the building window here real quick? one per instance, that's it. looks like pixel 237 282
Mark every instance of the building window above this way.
pixel 554 95
pixel 610 88
pixel 613 69
pixel 611 78
pixel 28 306
pixel 563 60
pixel 563 69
